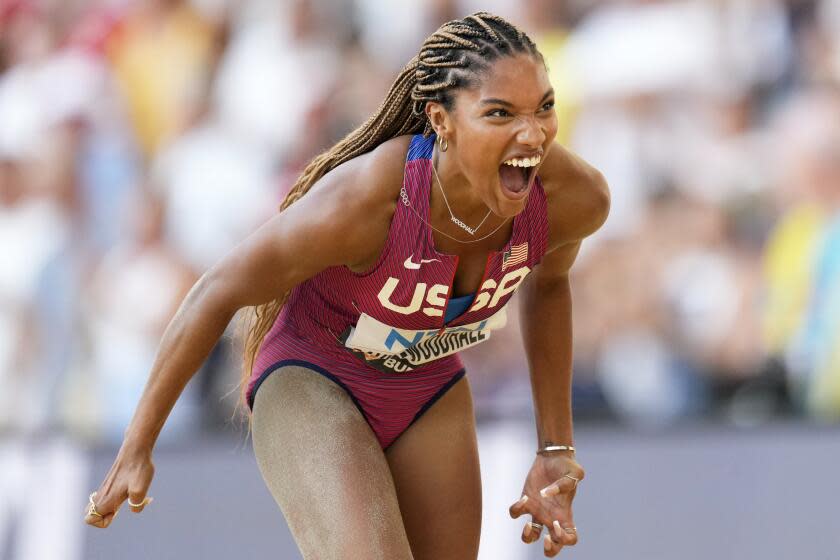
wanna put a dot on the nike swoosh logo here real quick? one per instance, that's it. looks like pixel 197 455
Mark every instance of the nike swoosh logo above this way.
pixel 409 264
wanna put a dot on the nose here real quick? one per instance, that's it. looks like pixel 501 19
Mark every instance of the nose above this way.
pixel 531 132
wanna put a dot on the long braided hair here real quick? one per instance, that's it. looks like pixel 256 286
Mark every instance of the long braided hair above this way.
pixel 453 57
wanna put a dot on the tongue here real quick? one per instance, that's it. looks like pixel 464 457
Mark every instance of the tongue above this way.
pixel 513 178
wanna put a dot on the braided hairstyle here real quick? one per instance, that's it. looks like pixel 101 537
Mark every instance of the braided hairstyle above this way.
pixel 453 57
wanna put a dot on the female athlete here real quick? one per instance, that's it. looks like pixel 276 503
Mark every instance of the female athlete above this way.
pixel 395 249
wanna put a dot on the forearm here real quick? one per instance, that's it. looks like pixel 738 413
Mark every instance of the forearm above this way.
pixel 187 341
pixel 547 334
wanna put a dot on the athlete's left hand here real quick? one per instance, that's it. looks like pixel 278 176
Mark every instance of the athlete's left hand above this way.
pixel 547 496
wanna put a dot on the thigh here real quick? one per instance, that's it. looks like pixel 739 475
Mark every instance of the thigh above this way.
pixel 436 473
pixel 326 469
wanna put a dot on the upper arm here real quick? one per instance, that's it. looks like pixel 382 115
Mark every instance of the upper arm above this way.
pixel 578 205
pixel 555 266
pixel 578 198
pixel 340 221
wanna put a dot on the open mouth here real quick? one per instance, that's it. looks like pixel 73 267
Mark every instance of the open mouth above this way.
pixel 517 174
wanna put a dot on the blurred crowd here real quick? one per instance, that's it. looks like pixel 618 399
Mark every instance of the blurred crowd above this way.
pixel 141 140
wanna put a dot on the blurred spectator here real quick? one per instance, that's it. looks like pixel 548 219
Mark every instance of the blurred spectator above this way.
pixel 162 54
pixel 612 48
pixel 277 70
pixel 549 25
pixel 802 261
pixel 132 297
pixel 792 247
pixel 32 228
pixel 393 33
pixel 821 334
pixel 829 18
pixel 216 188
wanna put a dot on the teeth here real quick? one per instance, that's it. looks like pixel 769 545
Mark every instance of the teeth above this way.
pixel 523 162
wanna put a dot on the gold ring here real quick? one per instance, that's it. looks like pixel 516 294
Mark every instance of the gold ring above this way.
pixel 573 478
pixel 536 526
pixel 145 501
pixel 570 529
pixel 92 506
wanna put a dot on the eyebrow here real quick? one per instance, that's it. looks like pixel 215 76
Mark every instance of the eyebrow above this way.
pixel 497 101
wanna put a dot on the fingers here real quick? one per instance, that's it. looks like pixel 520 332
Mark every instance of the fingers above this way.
pixel 123 482
pixel 564 534
pixel 138 489
pixel 518 508
pixel 95 521
pixel 561 532
pixel 109 518
pixel 550 490
pixel 99 513
pixel 551 548
pixel 565 485
pixel 140 499
pixel 531 532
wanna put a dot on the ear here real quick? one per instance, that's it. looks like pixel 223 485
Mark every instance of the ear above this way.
pixel 440 118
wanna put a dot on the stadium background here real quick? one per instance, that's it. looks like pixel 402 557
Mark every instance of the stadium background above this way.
pixel 141 140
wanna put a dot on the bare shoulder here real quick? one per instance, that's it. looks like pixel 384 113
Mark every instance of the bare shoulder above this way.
pixel 368 179
pixel 577 193
pixel 359 197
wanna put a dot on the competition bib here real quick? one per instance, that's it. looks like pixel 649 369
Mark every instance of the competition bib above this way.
pixel 393 350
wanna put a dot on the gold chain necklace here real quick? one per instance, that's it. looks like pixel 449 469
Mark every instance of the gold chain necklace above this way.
pixel 455 220
pixel 407 202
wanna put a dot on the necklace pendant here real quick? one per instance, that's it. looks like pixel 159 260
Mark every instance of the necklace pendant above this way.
pixel 463 226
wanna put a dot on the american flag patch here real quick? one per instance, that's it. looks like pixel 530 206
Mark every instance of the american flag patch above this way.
pixel 515 255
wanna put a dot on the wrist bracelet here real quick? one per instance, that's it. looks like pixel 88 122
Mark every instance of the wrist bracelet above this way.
pixel 550 448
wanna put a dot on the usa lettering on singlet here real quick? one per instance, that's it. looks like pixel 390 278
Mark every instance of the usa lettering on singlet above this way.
pixel 391 349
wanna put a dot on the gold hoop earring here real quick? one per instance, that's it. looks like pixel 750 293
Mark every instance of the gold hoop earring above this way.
pixel 444 143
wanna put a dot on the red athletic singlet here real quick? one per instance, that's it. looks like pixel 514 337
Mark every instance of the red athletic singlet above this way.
pixel 381 335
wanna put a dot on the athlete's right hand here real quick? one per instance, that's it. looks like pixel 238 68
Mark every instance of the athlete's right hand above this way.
pixel 129 477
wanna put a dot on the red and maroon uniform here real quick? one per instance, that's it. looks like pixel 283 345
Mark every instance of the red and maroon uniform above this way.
pixel 381 335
